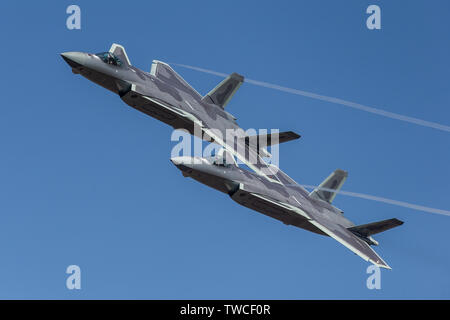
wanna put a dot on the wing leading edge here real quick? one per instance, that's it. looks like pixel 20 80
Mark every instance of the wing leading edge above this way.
pixel 335 231
pixel 351 241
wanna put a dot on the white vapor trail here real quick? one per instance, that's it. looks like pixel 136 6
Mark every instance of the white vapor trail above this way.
pixel 342 102
pixel 353 105
pixel 385 200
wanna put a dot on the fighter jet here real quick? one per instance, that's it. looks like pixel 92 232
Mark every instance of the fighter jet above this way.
pixel 288 202
pixel 163 94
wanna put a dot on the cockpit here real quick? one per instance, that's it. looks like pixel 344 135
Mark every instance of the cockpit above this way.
pixel 223 159
pixel 109 58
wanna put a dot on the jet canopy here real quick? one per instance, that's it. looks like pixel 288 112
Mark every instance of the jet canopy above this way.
pixel 109 58
pixel 223 159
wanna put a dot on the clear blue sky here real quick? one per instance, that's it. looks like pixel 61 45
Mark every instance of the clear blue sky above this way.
pixel 87 180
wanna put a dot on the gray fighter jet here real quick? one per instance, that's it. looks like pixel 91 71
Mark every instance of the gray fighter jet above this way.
pixel 166 96
pixel 288 202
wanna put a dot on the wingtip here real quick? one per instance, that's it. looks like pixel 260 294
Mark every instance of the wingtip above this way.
pixel 381 264
pixel 295 134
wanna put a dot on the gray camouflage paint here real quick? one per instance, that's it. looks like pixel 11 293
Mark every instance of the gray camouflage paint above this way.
pixel 242 184
pixel 172 99
pixel 166 96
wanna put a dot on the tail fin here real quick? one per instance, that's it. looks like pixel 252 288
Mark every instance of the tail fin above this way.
pixel 119 52
pixel 225 90
pixel 328 189
pixel 365 231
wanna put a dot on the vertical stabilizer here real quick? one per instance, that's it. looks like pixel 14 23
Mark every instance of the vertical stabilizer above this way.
pixel 119 52
pixel 328 189
pixel 225 90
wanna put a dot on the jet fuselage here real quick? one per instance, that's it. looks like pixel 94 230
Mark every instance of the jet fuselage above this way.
pixel 172 100
pixel 229 179
pixel 166 96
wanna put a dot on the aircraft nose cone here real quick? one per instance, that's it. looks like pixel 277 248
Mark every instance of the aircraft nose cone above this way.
pixel 176 160
pixel 184 164
pixel 74 59
pixel 185 161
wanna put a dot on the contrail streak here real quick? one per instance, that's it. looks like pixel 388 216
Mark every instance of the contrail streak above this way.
pixel 385 200
pixel 342 102
pixel 354 105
